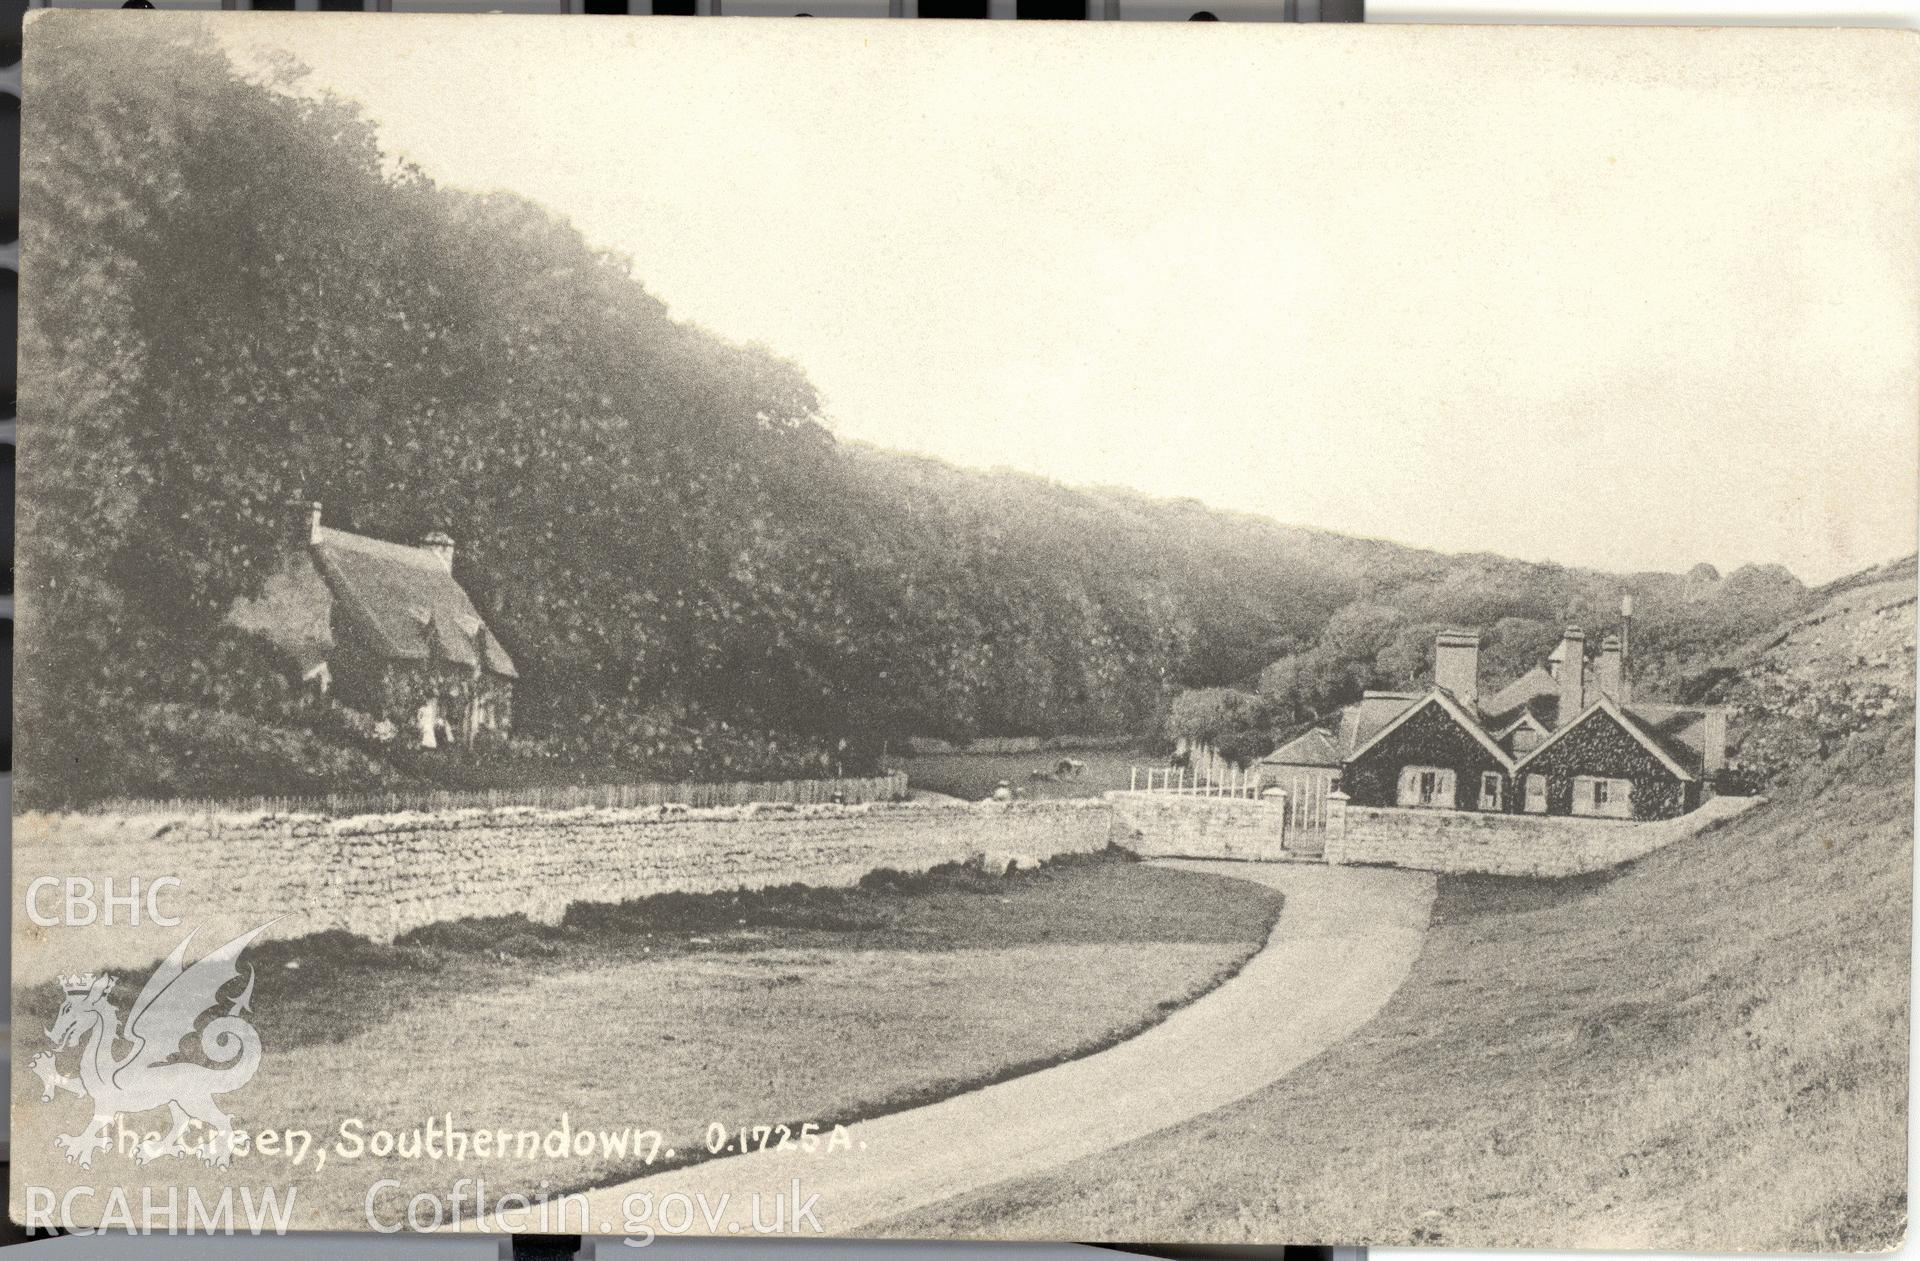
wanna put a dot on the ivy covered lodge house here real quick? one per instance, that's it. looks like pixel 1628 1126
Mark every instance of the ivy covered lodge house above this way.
pixel 386 629
pixel 1568 737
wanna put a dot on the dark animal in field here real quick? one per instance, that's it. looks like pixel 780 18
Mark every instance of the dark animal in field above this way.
pixel 1069 768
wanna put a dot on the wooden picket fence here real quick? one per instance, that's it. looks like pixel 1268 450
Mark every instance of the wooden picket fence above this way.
pixel 852 791
pixel 1178 779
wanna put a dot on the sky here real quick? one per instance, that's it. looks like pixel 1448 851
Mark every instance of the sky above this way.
pixel 1625 299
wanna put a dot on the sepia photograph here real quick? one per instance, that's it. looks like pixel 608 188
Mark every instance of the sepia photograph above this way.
pixel 1153 633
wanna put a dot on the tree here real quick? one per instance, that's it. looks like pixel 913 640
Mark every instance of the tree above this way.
pixel 1359 632
pixel 1203 715
pixel 1407 662
pixel 1514 646
pixel 235 300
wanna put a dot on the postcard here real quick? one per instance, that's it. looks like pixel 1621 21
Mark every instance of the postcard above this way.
pixel 1117 632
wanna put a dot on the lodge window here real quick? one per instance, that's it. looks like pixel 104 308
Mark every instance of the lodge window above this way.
pixel 1490 790
pixel 1603 798
pixel 1536 794
pixel 1427 786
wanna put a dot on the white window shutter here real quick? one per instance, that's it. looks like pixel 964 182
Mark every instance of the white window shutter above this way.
pixel 1444 791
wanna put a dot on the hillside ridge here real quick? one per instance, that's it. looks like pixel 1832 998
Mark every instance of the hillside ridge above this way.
pixel 694 577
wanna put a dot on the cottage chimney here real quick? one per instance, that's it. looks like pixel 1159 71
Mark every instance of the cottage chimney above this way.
pixel 1608 670
pixel 1572 673
pixel 303 522
pixel 1456 665
pixel 440 543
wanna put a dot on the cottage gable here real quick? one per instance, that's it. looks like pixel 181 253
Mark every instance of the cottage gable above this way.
pixel 293 613
pixel 1444 702
pixel 1562 738
pixel 1607 746
pixel 1523 734
pixel 401 602
pixel 1434 736
pixel 1535 693
pixel 1316 747
pixel 1360 723
pixel 391 626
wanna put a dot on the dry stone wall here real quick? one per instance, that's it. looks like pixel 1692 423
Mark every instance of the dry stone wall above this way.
pixel 381 876
pixel 1175 825
pixel 1507 844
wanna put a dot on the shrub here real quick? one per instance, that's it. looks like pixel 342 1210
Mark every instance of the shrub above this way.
pixel 176 750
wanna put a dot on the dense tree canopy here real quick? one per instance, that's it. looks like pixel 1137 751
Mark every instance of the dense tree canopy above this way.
pixel 236 301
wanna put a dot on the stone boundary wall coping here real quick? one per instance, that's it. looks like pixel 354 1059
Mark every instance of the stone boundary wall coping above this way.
pixel 35 825
pixel 1462 841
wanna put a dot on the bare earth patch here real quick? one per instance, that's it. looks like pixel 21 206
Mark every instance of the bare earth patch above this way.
pixel 672 1014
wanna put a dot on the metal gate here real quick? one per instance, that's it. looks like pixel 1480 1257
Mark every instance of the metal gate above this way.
pixel 1306 789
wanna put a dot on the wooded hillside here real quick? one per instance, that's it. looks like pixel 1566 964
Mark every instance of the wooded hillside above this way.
pixel 235 301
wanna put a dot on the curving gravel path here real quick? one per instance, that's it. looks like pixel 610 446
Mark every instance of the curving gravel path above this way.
pixel 1343 944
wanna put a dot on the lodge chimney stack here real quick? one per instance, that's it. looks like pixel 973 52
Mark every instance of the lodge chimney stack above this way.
pixel 1625 693
pixel 1456 665
pixel 1607 671
pixel 1572 674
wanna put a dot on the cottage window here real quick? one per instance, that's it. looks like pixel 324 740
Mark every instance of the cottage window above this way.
pixel 1426 786
pixel 1490 790
pixel 1536 794
pixel 1602 797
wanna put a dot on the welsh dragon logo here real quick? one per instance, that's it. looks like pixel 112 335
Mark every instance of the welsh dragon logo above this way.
pixel 148 1075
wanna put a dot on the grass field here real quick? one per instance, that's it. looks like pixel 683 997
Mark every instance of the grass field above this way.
pixel 972 776
pixel 669 1014
pixel 1706 1050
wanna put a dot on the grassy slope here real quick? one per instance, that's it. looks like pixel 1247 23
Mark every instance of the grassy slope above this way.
pixel 783 1006
pixel 1706 1049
